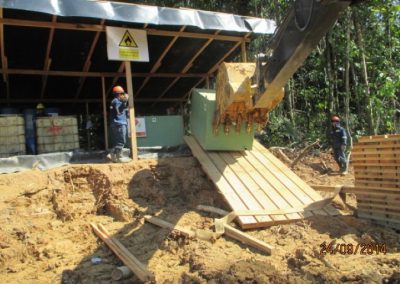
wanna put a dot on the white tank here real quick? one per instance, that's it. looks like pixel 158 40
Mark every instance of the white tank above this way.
pixel 57 134
pixel 12 136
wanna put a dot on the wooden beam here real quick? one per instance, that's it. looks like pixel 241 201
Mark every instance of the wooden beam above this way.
pixel 95 74
pixel 244 51
pixel 166 225
pixel 103 88
pixel 138 268
pixel 247 239
pixel 2 51
pixel 98 100
pixel 132 123
pixel 188 65
pixel 158 62
pixel 47 60
pixel 45 77
pixel 121 69
pixel 88 61
pixel 97 28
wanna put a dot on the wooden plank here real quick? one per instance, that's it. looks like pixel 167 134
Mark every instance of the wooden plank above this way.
pixel 378 215
pixel 285 186
pixel 377 176
pixel 378 184
pixel 393 145
pixel 359 190
pixel 368 158
pixel 222 184
pixel 366 188
pixel 376 200
pixel 383 206
pixel 376 152
pixel 241 190
pixel 388 224
pixel 273 188
pixel 124 255
pixel 375 169
pixel 97 74
pixel 291 181
pixel 380 140
pixel 247 239
pixel 376 164
pixel 164 224
pixel 248 176
pixel 301 184
pixel 378 137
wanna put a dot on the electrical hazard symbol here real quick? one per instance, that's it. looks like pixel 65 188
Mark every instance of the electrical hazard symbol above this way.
pixel 127 44
pixel 127 40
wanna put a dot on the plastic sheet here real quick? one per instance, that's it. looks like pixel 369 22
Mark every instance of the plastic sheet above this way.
pixel 134 13
pixel 53 160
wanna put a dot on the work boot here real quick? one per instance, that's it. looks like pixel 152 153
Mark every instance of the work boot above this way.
pixel 120 158
pixel 111 156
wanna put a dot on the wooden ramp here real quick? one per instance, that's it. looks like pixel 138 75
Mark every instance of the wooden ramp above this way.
pixel 257 180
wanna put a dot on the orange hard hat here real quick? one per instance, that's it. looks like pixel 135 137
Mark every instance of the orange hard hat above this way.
pixel 118 90
pixel 335 119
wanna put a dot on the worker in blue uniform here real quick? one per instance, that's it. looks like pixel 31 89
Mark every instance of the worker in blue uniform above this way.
pixel 119 123
pixel 339 142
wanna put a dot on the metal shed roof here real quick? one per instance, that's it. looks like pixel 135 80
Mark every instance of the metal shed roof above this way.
pixel 55 50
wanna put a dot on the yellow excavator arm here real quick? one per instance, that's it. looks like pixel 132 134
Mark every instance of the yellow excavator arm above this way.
pixel 247 92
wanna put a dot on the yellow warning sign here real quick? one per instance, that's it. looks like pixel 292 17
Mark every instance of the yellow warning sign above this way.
pixel 127 40
pixel 127 44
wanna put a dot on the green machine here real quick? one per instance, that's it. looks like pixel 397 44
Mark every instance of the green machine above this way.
pixel 201 125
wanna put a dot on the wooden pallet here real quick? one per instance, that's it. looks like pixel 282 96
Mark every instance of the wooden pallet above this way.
pixel 257 180
pixel 376 161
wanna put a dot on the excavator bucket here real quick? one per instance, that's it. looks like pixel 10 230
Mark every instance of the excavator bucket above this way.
pixel 234 98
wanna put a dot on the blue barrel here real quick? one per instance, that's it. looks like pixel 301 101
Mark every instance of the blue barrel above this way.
pixel 52 111
pixel 30 121
pixel 8 110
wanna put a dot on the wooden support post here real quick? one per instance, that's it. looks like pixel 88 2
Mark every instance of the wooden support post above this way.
pixel 103 84
pixel 208 82
pixel 87 129
pixel 132 124
pixel 244 51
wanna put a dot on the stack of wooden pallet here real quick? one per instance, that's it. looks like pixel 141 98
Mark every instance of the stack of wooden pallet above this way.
pixel 376 161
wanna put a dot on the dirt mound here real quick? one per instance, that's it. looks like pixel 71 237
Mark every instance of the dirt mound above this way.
pixel 46 235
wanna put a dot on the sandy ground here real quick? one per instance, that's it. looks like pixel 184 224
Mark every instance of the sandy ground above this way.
pixel 45 234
